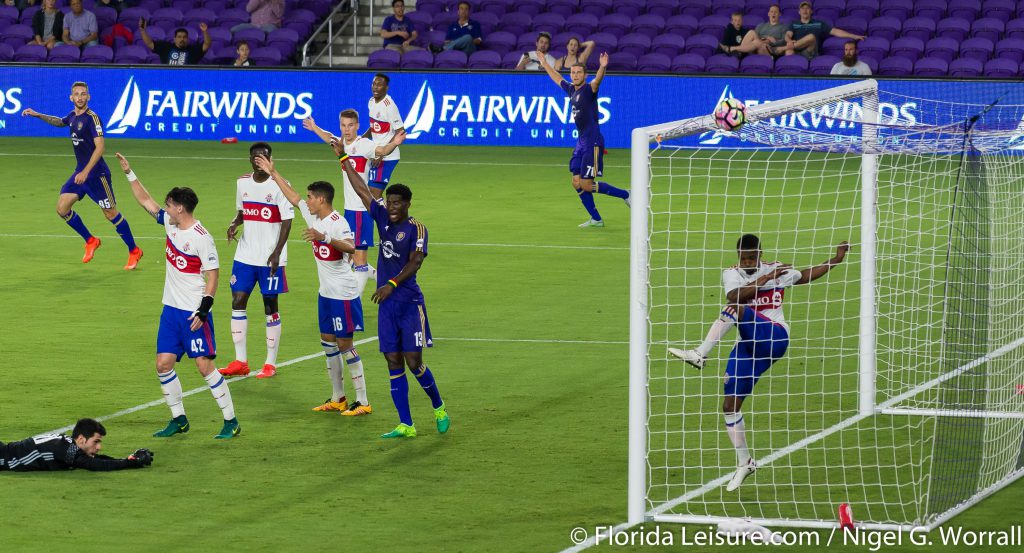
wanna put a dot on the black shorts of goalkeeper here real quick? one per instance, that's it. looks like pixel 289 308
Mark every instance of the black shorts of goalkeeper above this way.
pixel 63 452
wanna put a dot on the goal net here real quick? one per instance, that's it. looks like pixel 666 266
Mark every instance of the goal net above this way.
pixel 900 392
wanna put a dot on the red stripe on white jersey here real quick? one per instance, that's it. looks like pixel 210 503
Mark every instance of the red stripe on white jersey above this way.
pixel 183 262
pixel 326 252
pixel 379 127
pixel 768 299
pixel 264 213
pixel 358 163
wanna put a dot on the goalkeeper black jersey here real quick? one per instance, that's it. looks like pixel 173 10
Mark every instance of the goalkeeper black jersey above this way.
pixel 54 452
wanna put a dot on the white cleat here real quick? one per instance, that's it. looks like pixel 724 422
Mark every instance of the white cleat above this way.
pixel 626 199
pixel 689 356
pixel 741 474
pixel 592 223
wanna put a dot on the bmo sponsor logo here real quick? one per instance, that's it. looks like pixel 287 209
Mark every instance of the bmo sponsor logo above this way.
pixel 176 259
pixel 322 251
pixel 768 300
pixel 264 213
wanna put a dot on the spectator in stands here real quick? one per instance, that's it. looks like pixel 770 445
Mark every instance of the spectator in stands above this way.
pixel 573 55
pixel 806 35
pixel 398 32
pixel 48 25
pixel 765 38
pixel 80 26
pixel 178 52
pixel 464 34
pixel 733 34
pixel 243 55
pixel 850 65
pixel 529 60
pixel 263 14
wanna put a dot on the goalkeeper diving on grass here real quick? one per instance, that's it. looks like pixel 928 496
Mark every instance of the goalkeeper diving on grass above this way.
pixel 80 450
pixel 755 290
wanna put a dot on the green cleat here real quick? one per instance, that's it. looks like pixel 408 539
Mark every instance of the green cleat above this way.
pixel 401 431
pixel 230 430
pixel 178 425
pixel 592 223
pixel 441 416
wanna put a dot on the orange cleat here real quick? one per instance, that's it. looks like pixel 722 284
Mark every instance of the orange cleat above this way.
pixel 133 259
pixel 235 368
pixel 91 245
pixel 267 372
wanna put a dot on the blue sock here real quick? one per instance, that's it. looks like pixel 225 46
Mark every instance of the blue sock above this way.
pixel 75 222
pixel 426 380
pixel 400 394
pixel 588 202
pixel 122 228
pixel 605 188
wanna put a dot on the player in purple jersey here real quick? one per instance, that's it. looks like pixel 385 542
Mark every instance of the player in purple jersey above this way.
pixel 587 162
pixel 91 176
pixel 402 326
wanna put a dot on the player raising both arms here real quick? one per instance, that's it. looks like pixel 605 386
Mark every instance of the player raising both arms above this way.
pixel 402 326
pixel 339 306
pixel 260 258
pixel 755 291
pixel 587 162
pixel 186 324
pixel 91 176
pixel 385 125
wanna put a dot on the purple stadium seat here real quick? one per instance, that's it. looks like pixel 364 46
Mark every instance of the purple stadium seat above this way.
pixel 232 17
pixel 1002 10
pixel 965 9
pixel 989 28
pixel 529 7
pixel 383 59
pixel 758 64
pixel 596 7
pixel 688 63
pixel 301 15
pixel 267 57
pixel 131 54
pixel 622 61
pixel 721 63
pixel 702 45
pixel 615 23
pixel 650 25
pixel 437 6
pixel 222 55
pixel 8 15
pixel 712 25
pixel 853 24
pixel 223 34
pixel 183 5
pixel 130 17
pixel 834 45
pixel 484 59
pixel 1011 49
pixel 217 5
pixel 152 5
pixel 635 43
pixel 417 59
pixel 604 42
pixel 16 36
pixel 487 20
pixel 167 16
pixel 885 27
pixel 564 8
pixel 872 63
pixel 443 20
pixel 789 4
pixel 561 40
pixel 943 48
pixel 255 37
pixel 900 9
pixel 199 15
pixel 664 8
pixel 629 8
pixel 931 67
pixel 26 16
pixel 6 52
pixel 682 25
pixel 450 59
pixel 424 20
pixel 1014 29
pixel 864 9
pixel 155 33
pixel 955 28
pixel 511 60
pixel 751 21
pixel 98 54
pixel 517 23
pixel 1001 68
pixel 821 65
pixel 65 53
pixel 759 7
pixel 980 49
pixel 896 67
pixel 726 7
pixel 500 42
pixel 582 24
pixel 320 7
pixel 966 67
pixel 497 8
pixel 551 23
pixel 654 63
pixel 922 28
pixel 105 16
pixel 932 9
pixel 696 8
pixel 527 41
pixel 907 47
pixel 668 45
pixel 791 65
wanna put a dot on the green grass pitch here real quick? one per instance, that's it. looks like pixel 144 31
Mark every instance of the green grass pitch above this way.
pixel 528 312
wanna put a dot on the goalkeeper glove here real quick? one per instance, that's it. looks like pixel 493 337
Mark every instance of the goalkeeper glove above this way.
pixel 142 457
pixel 204 308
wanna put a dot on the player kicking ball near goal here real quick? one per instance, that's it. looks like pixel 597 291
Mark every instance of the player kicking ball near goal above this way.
pixel 755 290
pixel 186 324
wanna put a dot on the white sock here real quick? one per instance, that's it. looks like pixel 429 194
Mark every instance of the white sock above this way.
pixel 364 275
pixel 355 371
pixel 738 434
pixel 722 325
pixel 171 387
pixel 239 328
pixel 219 389
pixel 334 370
pixel 273 337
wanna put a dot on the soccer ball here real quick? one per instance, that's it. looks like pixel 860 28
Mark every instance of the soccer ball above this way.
pixel 730 114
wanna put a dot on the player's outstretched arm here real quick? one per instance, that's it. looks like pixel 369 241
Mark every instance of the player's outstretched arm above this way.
pixel 358 184
pixel 146 39
pixel 141 194
pixel 386 149
pixel 543 61
pixel 51 119
pixel 602 68
pixel 310 125
pixel 818 271
pixel 267 166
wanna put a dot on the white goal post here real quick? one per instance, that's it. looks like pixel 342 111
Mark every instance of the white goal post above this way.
pixel 905 368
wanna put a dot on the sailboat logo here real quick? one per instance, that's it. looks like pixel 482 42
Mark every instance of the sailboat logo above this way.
pixel 421 116
pixel 129 107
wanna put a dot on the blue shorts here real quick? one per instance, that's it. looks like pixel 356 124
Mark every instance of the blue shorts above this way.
pixel 381 174
pixel 340 317
pixel 761 344
pixel 587 161
pixel 362 227
pixel 97 187
pixel 175 335
pixel 403 326
pixel 245 276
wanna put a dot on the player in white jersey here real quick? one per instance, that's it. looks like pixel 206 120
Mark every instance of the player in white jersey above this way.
pixel 339 306
pixel 755 291
pixel 385 125
pixel 361 151
pixel 260 258
pixel 186 324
